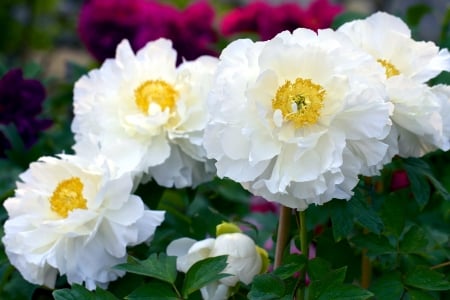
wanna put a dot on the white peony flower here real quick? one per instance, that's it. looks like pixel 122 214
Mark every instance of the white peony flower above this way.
pixel 75 219
pixel 146 114
pixel 296 119
pixel 418 117
pixel 244 260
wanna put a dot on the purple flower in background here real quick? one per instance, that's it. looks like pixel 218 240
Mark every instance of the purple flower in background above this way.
pixel 104 23
pixel 20 104
pixel 267 20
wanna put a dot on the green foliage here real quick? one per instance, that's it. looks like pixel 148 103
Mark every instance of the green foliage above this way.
pixel 153 291
pixel 267 287
pixel 79 292
pixel 160 266
pixel 204 272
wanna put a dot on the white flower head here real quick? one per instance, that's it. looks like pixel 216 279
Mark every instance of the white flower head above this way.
pixel 296 119
pixel 418 117
pixel 146 114
pixel 74 219
pixel 244 260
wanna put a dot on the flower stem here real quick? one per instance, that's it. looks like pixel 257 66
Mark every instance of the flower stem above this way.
pixel 284 224
pixel 366 270
pixel 447 263
pixel 304 248
pixel 304 245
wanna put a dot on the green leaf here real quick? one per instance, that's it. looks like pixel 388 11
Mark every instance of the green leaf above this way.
pixel 343 292
pixel 424 278
pixel 267 287
pixel 346 17
pixel 291 265
pixel 160 266
pixel 364 213
pixel 153 291
pixel 32 69
pixel 330 279
pixel 420 175
pixel 375 245
pixel 12 134
pixel 318 268
pixel 388 287
pixel 419 295
pixel 204 272
pixel 415 13
pixel 414 240
pixel 79 292
pixel 331 286
pixel 341 219
pixel 393 215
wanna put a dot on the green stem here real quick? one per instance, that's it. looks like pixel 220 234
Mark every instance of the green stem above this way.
pixel 304 248
pixel 282 234
pixel 304 245
pixel 177 291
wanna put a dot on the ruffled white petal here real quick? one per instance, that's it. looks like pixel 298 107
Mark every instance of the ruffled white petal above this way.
pixel 86 244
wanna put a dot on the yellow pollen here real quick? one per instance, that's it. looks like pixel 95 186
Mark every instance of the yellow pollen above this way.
pixel 390 69
pixel 299 102
pixel 68 196
pixel 155 91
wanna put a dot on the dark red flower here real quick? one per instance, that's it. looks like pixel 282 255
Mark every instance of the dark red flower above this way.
pixel 320 14
pixel 196 33
pixel 261 205
pixel 267 20
pixel 399 180
pixel 20 104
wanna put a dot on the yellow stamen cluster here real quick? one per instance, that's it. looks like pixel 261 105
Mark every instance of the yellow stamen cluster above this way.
pixel 155 91
pixel 390 69
pixel 68 196
pixel 300 102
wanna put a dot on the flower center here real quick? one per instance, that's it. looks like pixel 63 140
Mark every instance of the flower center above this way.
pixel 389 68
pixel 155 91
pixel 299 102
pixel 68 196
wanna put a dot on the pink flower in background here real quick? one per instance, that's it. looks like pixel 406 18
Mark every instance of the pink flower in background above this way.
pixel 103 24
pixel 267 20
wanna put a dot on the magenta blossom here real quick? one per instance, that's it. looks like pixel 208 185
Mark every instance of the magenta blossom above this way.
pixel 261 205
pixel 399 180
pixel 20 104
pixel 267 20
pixel 104 23
pixel 320 14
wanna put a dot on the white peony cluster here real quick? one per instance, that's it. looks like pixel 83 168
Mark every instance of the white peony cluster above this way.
pixel 420 111
pixel 297 118
pixel 245 260
pixel 75 219
pixel 146 114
